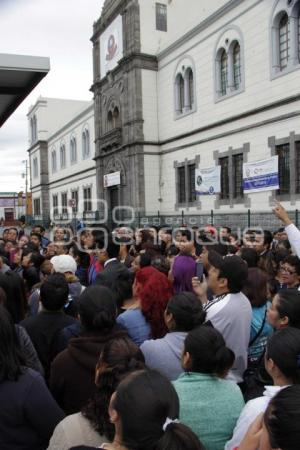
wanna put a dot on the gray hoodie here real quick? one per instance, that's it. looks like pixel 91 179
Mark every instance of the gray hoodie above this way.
pixel 164 354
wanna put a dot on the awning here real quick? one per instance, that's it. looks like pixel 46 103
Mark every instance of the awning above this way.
pixel 19 75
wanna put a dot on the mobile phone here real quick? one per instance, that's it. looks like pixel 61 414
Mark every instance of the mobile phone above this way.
pixel 199 270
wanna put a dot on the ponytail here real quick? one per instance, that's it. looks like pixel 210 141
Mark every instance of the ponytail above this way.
pixel 178 437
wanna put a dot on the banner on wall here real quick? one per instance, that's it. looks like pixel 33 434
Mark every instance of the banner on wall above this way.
pixel 112 179
pixel 208 181
pixel 111 46
pixel 261 175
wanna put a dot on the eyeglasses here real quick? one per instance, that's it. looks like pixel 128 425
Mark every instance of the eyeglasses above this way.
pixel 286 270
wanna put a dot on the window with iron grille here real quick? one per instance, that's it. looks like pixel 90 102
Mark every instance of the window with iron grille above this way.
pixel 237 66
pixel 161 17
pixel 224 72
pixel 284 41
pixel 191 88
pixel 55 204
pixel 87 199
pixel 64 202
pixel 181 93
pixel 224 163
pixel 297 153
pixel 74 196
pixel 191 175
pixel 237 162
pixel 181 184
pixel 37 206
pixel 283 152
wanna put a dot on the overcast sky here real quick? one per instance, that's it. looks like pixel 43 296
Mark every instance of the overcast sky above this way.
pixel 61 30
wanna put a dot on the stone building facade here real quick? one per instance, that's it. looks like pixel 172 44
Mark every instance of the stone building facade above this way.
pixel 216 83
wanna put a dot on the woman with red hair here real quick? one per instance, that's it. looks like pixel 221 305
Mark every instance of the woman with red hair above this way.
pixel 144 318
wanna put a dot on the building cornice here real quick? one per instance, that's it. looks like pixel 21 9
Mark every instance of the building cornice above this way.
pixel 36 145
pixel 71 122
pixel 229 6
pixel 129 62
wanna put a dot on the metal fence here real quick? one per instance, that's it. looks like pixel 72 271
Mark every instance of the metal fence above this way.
pixel 265 220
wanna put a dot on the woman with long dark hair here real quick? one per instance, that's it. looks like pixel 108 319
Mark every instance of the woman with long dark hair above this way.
pixel 283 365
pixel 209 404
pixel 144 410
pixel 72 371
pixel 92 426
pixel 28 413
pixel 183 313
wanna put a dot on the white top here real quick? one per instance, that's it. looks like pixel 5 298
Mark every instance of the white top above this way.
pixel 249 413
pixel 294 238
pixel 231 315
pixel 75 430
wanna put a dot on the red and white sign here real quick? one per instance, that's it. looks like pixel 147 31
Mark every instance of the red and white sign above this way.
pixel 111 46
pixel 112 179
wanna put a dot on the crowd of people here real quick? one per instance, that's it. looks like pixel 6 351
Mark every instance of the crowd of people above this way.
pixel 152 339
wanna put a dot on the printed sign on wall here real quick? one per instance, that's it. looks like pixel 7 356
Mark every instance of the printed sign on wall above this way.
pixel 111 46
pixel 261 175
pixel 208 181
pixel 111 179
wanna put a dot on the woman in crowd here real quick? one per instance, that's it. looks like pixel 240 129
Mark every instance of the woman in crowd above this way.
pixel 184 266
pixel 255 290
pixel 145 318
pixel 14 289
pixel 209 404
pixel 72 371
pixel 290 269
pixel 183 313
pixel 91 426
pixel 28 413
pixel 283 365
pixel 278 428
pixel 144 410
pixel 285 309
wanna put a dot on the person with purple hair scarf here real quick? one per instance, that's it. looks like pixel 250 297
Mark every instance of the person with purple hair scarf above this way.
pixel 184 265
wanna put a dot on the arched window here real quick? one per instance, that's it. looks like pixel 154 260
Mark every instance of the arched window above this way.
pixel 85 144
pixel 73 150
pixel 191 88
pixel 237 66
pixel 53 161
pixel 33 126
pixel 181 93
pixel 62 156
pixel 109 121
pixel 284 41
pixel 224 72
pixel 31 130
pixel 116 118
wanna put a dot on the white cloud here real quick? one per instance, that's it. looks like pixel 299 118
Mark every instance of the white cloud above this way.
pixel 61 30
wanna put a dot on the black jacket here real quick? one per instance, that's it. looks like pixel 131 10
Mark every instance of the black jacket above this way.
pixel 111 273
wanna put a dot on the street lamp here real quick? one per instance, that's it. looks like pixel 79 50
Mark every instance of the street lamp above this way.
pixel 25 175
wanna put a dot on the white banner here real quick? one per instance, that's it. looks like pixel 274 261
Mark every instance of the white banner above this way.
pixel 112 179
pixel 261 175
pixel 208 181
pixel 111 46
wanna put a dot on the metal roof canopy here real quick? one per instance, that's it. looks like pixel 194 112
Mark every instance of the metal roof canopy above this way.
pixel 19 75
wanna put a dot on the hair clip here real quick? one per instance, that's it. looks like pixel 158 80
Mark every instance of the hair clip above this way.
pixel 168 421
